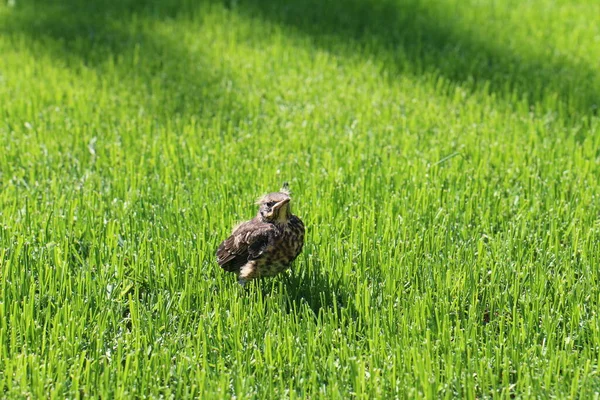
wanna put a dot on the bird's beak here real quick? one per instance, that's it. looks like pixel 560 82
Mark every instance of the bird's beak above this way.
pixel 281 204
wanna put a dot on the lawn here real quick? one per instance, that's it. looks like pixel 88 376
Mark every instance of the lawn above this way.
pixel 443 154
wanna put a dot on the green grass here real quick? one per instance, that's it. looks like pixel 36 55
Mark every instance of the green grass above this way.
pixel 444 155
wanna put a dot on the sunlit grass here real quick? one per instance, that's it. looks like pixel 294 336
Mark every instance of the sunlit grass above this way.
pixel 443 155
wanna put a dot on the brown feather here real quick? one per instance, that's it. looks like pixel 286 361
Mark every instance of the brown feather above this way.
pixel 246 243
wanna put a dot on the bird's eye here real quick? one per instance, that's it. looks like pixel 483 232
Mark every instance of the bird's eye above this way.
pixel 271 204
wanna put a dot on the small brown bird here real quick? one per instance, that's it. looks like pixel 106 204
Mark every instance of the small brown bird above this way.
pixel 265 245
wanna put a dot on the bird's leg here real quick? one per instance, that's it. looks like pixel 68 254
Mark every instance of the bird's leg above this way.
pixel 242 282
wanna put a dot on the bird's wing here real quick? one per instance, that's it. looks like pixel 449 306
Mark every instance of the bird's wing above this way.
pixel 246 243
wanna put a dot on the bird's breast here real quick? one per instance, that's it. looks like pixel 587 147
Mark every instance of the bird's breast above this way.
pixel 286 247
pixel 292 239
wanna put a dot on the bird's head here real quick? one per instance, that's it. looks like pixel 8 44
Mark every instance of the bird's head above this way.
pixel 275 207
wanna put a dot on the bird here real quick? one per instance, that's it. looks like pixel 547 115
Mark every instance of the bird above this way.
pixel 267 244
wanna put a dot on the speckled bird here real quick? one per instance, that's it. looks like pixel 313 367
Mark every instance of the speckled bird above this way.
pixel 265 245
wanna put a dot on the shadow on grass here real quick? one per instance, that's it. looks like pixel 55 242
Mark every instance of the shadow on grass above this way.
pixel 322 294
pixel 418 38
pixel 421 39
pixel 117 36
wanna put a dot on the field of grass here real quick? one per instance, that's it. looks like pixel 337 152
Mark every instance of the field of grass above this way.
pixel 444 155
